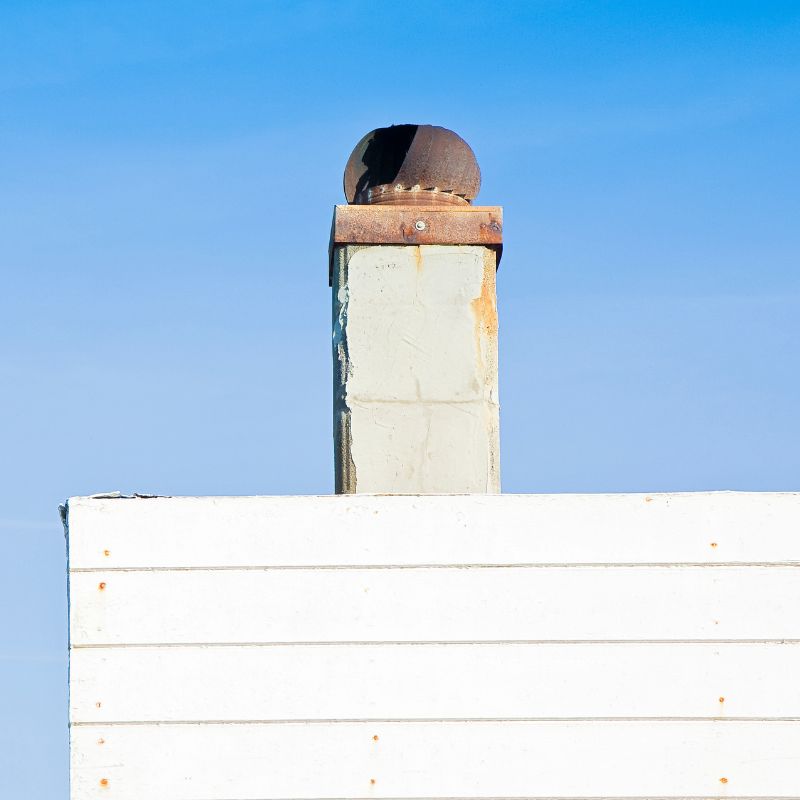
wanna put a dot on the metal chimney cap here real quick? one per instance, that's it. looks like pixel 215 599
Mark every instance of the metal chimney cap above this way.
pixel 412 165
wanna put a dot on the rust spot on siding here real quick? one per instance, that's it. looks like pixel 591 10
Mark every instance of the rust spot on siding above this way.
pixel 418 257
pixel 97 705
pixel 101 586
pixel 106 552
pixel 372 781
pixel 723 780
pixel 104 782
pixel 722 699
pixel 375 738
pixel 713 544
pixel 648 499
pixel 101 741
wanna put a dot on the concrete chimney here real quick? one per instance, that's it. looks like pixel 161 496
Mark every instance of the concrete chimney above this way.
pixel 412 267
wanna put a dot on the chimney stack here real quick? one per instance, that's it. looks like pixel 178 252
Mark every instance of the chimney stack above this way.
pixel 412 267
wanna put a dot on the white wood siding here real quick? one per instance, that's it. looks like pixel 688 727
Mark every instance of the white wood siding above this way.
pixel 419 647
pixel 463 604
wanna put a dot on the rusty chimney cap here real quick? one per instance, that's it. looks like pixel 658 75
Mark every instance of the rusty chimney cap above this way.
pixel 412 165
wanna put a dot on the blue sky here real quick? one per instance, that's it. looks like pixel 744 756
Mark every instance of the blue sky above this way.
pixel 167 175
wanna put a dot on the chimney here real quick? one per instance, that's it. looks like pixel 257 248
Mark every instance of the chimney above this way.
pixel 412 267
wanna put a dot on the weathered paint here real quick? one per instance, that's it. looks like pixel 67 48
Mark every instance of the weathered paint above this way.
pixel 572 646
pixel 415 369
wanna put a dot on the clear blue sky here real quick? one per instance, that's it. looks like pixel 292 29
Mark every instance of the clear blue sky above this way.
pixel 167 173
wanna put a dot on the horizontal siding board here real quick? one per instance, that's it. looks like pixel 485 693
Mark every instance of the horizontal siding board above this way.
pixel 520 759
pixel 363 530
pixel 435 604
pixel 432 682
pixel 564 646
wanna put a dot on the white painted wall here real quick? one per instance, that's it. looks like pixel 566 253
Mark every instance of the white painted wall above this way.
pixel 563 646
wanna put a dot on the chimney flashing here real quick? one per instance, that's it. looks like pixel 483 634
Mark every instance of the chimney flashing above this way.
pixel 416 225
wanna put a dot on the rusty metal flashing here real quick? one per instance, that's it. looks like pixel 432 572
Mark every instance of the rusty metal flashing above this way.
pixel 416 225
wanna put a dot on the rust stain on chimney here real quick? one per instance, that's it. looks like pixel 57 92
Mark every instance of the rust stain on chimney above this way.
pixel 484 306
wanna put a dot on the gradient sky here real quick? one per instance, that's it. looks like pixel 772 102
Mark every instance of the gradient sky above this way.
pixel 167 175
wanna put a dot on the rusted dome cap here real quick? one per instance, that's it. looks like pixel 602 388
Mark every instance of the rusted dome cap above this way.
pixel 412 165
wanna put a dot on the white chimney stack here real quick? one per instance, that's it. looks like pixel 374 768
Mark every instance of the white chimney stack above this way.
pixel 413 268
